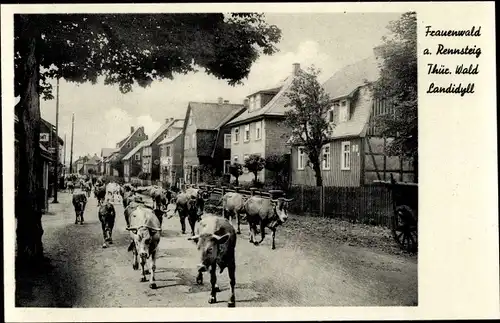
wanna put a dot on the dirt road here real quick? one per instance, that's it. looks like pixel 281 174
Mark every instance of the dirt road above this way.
pixel 302 271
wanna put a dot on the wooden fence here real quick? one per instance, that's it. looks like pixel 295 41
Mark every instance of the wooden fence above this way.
pixel 370 204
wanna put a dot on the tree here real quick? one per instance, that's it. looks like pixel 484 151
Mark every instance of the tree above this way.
pixel 125 49
pixel 254 164
pixel 280 166
pixel 307 118
pixel 236 170
pixel 398 86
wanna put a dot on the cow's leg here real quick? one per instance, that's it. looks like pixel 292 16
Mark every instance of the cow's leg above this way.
pixel 76 217
pixel 238 217
pixel 135 263
pixel 213 282
pixel 111 225
pixel 183 224
pixel 152 267
pixel 143 272
pixel 103 226
pixel 274 236
pixel 231 269
pixel 262 232
pixel 192 224
pixel 250 232
pixel 81 217
pixel 199 278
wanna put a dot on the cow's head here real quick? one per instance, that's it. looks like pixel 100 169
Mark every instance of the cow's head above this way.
pixel 281 208
pixel 142 240
pixel 208 244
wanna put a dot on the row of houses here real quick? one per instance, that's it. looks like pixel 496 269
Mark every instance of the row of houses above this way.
pixel 213 135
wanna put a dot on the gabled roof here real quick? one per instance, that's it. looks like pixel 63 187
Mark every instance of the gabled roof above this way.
pixel 135 150
pixel 105 152
pixel 275 107
pixel 124 141
pixel 94 160
pixel 349 78
pixel 163 127
pixel 170 139
pixel 208 116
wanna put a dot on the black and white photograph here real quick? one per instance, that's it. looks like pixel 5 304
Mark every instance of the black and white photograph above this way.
pixel 216 159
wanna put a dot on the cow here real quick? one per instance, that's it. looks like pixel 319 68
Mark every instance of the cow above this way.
pixel 71 187
pixel 265 213
pixel 100 194
pixel 233 207
pixel 112 190
pixel 189 207
pixel 145 231
pixel 161 198
pixel 135 201
pixel 107 217
pixel 79 202
pixel 216 241
pixel 87 187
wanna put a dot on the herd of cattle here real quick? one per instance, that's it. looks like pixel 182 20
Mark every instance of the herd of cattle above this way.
pixel 214 235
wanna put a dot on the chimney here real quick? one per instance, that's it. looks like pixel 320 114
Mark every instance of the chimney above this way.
pixel 226 101
pixel 245 103
pixel 220 100
pixel 132 129
pixel 296 68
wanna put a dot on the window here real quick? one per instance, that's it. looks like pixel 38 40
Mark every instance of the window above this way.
pixel 257 101
pixel 246 133
pixel 167 151
pixel 301 158
pixel 326 157
pixel 186 142
pixel 129 145
pixel 137 156
pixel 236 135
pixel 193 144
pixel 227 163
pixel 136 143
pixel 139 134
pixel 343 112
pixel 227 141
pixel 235 158
pixel 161 151
pixel 346 156
pixel 330 115
pixel 245 157
pixel 258 130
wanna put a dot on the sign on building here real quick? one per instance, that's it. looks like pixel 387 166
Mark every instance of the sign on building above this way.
pixel 44 137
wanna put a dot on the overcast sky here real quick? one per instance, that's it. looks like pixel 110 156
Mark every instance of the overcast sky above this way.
pixel 103 115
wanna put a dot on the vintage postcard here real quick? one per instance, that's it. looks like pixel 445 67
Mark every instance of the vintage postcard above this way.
pixel 257 161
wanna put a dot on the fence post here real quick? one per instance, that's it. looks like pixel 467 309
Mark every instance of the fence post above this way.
pixel 236 189
pixel 253 189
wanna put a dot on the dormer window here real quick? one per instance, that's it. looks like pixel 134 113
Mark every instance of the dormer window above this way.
pixel 257 101
pixel 252 103
pixel 344 111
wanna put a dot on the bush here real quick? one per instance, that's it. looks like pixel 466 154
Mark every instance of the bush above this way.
pixel 236 170
pixel 255 164
pixel 279 166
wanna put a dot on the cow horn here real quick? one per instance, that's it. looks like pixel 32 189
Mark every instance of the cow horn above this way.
pixel 196 237
pixel 288 200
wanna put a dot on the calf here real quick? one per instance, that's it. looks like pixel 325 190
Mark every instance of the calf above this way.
pixel 189 207
pixel 107 216
pixel 145 233
pixel 79 202
pixel 265 213
pixel 216 241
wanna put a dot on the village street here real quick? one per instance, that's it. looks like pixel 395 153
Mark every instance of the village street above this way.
pixel 302 271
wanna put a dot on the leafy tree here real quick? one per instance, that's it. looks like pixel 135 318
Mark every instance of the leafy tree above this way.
pixel 398 86
pixel 255 164
pixel 280 166
pixel 125 49
pixel 236 169
pixel 307 119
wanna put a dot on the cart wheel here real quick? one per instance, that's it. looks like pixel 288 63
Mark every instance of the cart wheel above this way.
pixel 405 228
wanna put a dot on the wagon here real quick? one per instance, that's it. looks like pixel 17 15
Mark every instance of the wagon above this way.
pixel 404 221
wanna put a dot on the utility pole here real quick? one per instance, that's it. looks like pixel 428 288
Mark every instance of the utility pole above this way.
pixel 56 173
pixel 71 153
pixel 64 156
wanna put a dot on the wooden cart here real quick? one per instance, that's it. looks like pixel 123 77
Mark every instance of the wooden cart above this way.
pixel 404 222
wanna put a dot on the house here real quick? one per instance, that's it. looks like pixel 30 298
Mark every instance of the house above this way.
pixel 46 162
pixel 132 162
pixel 91 166
pixel 123 147
pixel 171 155
pixel 78 165
pixel 49 140
pixel 259 130
pixel 206 138
pixel 105 153
pixel 151 150
pixel 355 154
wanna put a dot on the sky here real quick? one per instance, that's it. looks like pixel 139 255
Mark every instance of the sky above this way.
pixel 103 116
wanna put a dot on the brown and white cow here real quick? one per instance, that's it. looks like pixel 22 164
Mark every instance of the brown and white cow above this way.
pixel 145 231
pixel 79 201
pixel 107 217
pixel 265 213
pixel 216 241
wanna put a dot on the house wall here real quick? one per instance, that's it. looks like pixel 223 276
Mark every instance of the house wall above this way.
pixel 335 176
pixel 155 154
pixel 138 136
pixel 175 171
